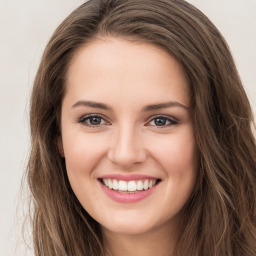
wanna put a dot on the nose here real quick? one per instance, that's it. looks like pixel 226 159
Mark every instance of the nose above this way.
pixel 126 149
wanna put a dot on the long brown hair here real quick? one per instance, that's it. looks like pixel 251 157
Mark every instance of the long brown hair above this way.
pixel 220 216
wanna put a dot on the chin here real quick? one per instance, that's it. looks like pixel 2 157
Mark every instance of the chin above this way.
pixel 131 224
pixel 129 228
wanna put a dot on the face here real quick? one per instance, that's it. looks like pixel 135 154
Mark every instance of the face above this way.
pixel 127 135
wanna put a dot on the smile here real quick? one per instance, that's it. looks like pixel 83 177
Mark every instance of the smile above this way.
pixel 129 186
pixel 128 189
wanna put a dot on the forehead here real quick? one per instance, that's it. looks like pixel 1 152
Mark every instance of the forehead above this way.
pixel 126 68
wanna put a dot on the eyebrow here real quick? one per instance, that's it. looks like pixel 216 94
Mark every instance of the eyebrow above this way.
pixel 91 104
pixel 164 105
pixel 147 108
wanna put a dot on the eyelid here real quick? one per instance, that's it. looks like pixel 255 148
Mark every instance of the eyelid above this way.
pixel 85 117
pixel 173 120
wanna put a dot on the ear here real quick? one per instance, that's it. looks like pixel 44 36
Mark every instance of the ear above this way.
pixel 60 146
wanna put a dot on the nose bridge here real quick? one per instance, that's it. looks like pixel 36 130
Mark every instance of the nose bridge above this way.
pixel 126 146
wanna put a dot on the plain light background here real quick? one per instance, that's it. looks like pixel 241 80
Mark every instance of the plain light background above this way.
pixel 25 28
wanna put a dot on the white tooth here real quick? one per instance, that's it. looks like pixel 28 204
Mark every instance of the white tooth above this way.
pixel 110 184
pixel 150 184
pixel 145 185
pixel 139 185
pixel 115 185
pixel 105 181
pixel 131 186
pixel 122 185
pixel 154 182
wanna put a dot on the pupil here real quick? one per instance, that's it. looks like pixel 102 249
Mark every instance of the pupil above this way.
pixel 160 121
pixel 95 120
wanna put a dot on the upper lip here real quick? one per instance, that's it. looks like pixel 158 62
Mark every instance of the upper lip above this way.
pixel 127 177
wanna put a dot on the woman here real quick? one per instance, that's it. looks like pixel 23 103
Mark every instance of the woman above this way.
pixel 142 139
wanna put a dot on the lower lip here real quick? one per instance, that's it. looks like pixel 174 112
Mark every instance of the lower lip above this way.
pixel 126 197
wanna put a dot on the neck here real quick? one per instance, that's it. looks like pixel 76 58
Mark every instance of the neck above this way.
pixel 160 241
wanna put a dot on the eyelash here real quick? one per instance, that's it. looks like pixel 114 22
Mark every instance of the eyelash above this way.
pixel 88 118
pixel 169 119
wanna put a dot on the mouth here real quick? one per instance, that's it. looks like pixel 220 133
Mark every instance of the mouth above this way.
pixel 129 186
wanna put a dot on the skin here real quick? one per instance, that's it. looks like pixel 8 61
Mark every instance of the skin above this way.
pixel 127 76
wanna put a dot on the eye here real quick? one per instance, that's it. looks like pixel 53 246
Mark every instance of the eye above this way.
pixel 162 121
pixel 93 120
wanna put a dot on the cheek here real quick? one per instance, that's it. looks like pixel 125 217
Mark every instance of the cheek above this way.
pixel 177 154
pixel 179 160
pixel 82 151
pixel 178 157
pixel 82 155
